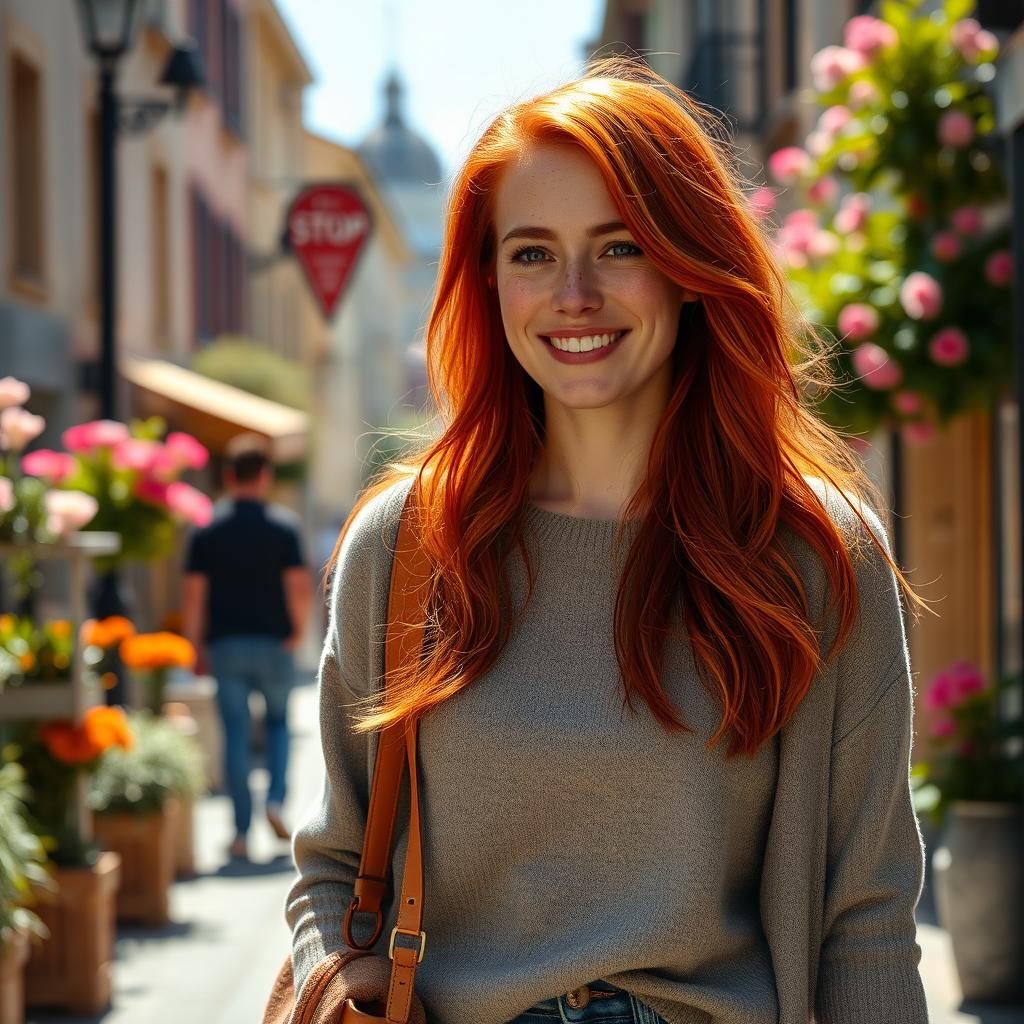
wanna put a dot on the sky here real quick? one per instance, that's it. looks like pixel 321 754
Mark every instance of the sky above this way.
pixel 461 61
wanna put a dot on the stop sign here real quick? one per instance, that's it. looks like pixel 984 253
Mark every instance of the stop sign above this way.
pixel 326 227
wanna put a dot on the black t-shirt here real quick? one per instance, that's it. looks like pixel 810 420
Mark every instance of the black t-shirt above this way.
pixel 243 552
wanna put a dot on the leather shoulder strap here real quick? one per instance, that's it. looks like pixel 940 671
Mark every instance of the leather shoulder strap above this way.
pixel 410 574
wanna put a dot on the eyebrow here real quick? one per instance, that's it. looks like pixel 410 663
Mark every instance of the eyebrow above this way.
pixel 534 232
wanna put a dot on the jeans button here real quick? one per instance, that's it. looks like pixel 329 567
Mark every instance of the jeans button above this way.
pixel 578 998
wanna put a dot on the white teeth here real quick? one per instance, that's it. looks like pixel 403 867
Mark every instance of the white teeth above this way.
pixel 585 344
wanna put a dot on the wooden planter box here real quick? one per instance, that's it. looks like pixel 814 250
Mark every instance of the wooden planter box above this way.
pixel 145 844
pixel 13 955
pixel 72 968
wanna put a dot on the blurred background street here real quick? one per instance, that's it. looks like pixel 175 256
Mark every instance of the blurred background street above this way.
pixel 222 219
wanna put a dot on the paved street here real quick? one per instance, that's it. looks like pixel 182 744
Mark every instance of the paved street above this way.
pixel 215 965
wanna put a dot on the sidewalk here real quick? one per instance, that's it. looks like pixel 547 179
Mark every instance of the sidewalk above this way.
pixel 216 964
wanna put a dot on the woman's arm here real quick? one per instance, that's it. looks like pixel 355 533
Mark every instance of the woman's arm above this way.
pixel 868 970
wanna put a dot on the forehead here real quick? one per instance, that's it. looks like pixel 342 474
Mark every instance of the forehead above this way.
pixel 551 185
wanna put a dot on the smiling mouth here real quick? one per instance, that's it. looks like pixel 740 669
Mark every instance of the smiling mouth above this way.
pixel 587 343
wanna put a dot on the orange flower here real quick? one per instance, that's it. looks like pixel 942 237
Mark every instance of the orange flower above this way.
pixel 60 627
pixel 101 728
pixel 108 727
pixel 106 632
pixel 6 622
pixel 157 650
pixel 27 661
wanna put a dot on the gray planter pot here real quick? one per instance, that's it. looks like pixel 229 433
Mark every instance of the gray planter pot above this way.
pixel 976 873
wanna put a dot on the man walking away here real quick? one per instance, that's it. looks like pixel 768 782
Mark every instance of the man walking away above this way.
pixel 246 599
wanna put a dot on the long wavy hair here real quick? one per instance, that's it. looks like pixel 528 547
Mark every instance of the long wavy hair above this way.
pixel 727 465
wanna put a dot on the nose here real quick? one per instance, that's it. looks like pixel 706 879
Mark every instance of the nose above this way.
pixel 577 291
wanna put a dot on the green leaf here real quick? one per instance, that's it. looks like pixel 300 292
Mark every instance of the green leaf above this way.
pixel 957 9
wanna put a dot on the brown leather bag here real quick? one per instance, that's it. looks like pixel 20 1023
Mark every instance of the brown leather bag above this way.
pixel 396 745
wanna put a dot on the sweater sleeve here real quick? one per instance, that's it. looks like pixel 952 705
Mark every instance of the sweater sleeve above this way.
pixel 868 970
pixel 327 844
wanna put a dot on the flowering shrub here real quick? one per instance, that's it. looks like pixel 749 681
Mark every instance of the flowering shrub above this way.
pixel 112 477
pixel 34 651
pixel 971 760
pixel 901 266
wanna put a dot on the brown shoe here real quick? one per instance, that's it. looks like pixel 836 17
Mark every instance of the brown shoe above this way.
pixel 239 849
pixel 274 819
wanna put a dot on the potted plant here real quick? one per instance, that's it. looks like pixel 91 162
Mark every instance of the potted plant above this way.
pixel 72 968
pixel 972 784
pixel 135 796
pixel 22 869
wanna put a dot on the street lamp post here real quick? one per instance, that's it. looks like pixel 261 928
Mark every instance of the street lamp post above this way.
pixel 110 28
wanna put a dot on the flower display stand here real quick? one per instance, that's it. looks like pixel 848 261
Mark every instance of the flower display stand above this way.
pixel 13 956
pixel 72 968
pixel 145 845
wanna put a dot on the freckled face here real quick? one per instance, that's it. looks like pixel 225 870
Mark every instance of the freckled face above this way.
pixel 566 266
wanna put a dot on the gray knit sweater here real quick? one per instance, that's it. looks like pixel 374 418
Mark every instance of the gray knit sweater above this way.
pixel 566 840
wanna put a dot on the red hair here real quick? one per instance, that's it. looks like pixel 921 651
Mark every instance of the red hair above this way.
pixel 727 464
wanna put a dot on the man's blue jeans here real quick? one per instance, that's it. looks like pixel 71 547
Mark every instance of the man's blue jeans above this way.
pixel 240 665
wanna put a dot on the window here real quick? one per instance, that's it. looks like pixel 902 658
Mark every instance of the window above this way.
pixel 218 274
pixel 27 178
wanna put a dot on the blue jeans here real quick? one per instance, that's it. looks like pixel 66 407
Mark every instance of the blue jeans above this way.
pixel 622 1008
pixel 242 664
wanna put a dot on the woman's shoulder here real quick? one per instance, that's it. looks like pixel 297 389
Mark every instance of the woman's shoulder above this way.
pixel 369 541
pixel 840 505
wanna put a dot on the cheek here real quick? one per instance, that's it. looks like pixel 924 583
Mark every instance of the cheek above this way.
pixel 518 301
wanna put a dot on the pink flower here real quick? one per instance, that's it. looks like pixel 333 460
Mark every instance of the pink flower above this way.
pixel 853 213
pixel 956 129
pixel 762 202
pixel 834 119
pixel 875 367
pixel 907 402
pixel 153 491
pixel 824 190
pixel 868 35
pixel 946 246
pixel 973 41
pixel 18 426
pixel 6 495
pixel 51 466
pixel 788 165
pixel 921 296
pixel 967 220
pixel 84 437
pixel 68 510
pixel 949 347
pixel 135 453
pixel 943 727
pixel 823 244
pixel 919 432
pixel 861 94
pixel 833 64
pixel 818 142
pixel 964 32
pixel 189 503
pixel 999 268
pixel 940 693
pixel 186 450
pixel 965 679
pixel 13 392
pixel 857 321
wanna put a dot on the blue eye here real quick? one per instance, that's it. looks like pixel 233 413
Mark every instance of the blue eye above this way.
pixel 522 251
pixel 637 251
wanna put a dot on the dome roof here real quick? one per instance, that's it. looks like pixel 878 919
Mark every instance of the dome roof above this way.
pixel 394 151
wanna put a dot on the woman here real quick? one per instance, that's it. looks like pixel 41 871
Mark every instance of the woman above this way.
pixel 665 709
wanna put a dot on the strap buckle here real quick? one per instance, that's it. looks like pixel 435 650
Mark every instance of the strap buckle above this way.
pixel 378 927
pixel 420 952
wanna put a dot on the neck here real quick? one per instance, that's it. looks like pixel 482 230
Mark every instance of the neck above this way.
pixel 595 459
